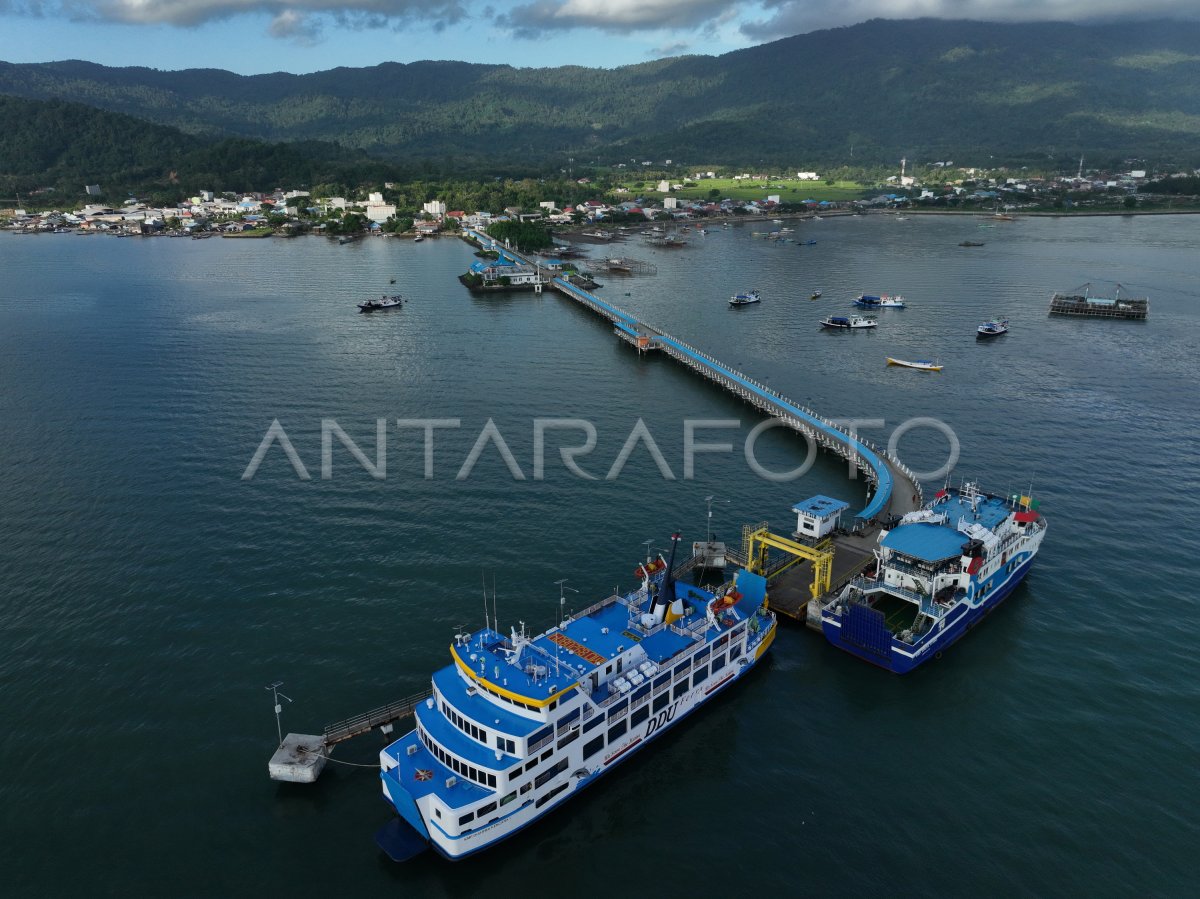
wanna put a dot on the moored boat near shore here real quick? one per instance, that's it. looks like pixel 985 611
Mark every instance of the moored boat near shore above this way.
pixel 920 364
pixel 384 302
pixel 745 299
pixel 884 301
pixel 848 322
pixel 993 328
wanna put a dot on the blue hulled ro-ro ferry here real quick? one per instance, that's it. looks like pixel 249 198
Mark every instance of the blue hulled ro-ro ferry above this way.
pixel 939 571
pixel 517 725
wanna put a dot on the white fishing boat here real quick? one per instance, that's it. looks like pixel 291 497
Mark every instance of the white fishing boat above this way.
pixel 848 322
pixel 994 328
pixel 745 299
pixel 384 302
pixel 920 364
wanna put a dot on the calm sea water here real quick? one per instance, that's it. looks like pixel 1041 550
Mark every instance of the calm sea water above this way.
pixel 151 592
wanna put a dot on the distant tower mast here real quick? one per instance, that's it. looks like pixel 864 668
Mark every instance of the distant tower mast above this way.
pixel 1080 175
pixel 903 162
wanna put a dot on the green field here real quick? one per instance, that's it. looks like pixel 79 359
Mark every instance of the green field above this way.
pixel 789 190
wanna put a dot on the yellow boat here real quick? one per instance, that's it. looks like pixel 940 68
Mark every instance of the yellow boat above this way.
pixel 922 364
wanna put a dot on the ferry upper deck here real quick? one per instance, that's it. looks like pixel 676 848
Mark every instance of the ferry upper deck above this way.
pixel 537 675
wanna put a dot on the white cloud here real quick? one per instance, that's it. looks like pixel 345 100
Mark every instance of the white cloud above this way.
pixel 290 18
pixel 665 21
pixel 676 48
pixel 787 17
pixel 302 29
pixel 619 16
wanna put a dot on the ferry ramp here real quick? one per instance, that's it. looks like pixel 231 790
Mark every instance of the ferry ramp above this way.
pixel 895 489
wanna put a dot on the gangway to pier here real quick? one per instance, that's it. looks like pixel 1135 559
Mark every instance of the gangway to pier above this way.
pixel 382 716
pixel 757 543
pixel 300 758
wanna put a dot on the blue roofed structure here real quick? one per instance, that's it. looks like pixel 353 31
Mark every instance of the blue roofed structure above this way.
pixel 821 506
pixel 926 542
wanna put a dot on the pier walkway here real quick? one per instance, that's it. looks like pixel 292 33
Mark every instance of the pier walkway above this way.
pixel 896 489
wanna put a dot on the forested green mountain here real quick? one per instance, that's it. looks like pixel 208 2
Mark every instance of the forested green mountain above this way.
pixel 53 143
pixel 925 89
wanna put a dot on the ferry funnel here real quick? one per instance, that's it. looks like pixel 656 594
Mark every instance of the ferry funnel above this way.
pixel 666 591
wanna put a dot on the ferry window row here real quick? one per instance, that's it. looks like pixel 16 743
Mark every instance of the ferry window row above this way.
pixel 550 773
pixel 529 765
pixel 542 800
pixel 618 730
pixel 458 767
pixel 463 724
pixel 484 810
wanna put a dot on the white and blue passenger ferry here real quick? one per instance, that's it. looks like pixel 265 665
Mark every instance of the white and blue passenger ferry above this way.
pixel 517 725
pixel 940 570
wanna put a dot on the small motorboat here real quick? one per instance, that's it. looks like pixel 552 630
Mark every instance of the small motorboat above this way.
pixel 848 322
pixel 919 364
pixel 816 295
pixel 745 299
pixel 418 238
pixel 994 328
pixel 384 302
pixel 806 243
pixel 971 243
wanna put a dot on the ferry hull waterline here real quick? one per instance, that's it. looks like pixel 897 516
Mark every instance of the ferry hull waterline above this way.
pixel 939 572
pixel 517 725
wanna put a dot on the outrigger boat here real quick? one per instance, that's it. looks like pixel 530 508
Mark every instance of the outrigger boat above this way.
pixel 848 322
pixel 994 328
pixel 745 299
pixel 384 302
pixel 922 364
pixel 517 725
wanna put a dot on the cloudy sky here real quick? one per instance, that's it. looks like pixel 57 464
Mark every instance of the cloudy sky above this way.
pixel 251 36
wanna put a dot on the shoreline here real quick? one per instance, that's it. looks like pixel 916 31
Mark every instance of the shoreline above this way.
pixel 575 231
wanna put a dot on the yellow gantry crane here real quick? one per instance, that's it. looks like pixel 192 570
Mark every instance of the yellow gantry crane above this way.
pixel 757 541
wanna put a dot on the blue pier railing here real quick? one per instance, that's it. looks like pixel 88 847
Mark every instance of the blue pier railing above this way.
pixel 877 468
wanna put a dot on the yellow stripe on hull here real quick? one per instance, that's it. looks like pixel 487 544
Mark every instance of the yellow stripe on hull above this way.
pixel 766 643
pixel 538 702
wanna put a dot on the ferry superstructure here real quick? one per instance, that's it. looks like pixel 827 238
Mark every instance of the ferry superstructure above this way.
pixel 939 571
pixel 517 725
